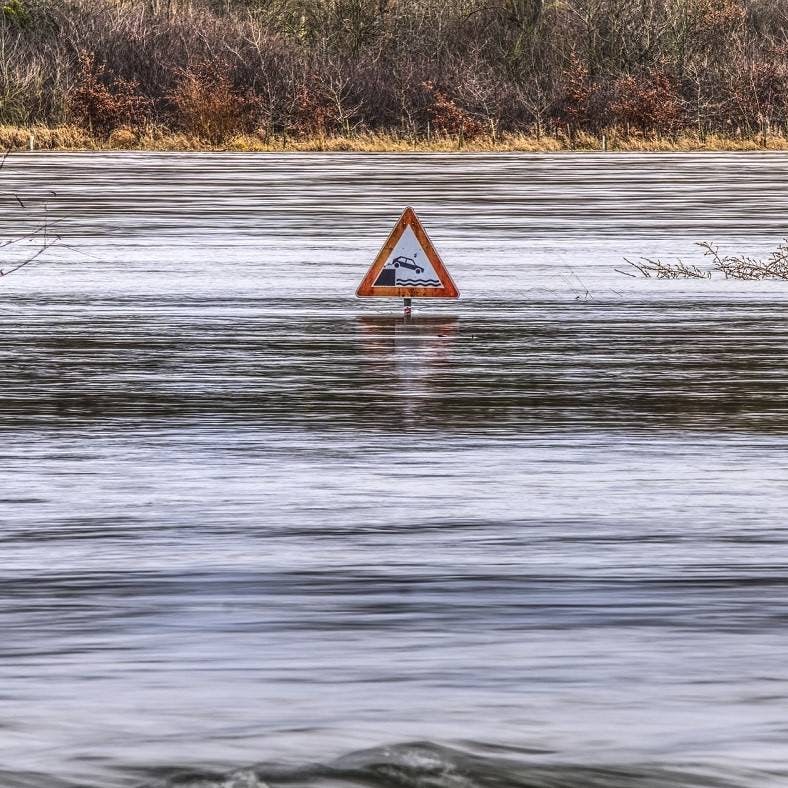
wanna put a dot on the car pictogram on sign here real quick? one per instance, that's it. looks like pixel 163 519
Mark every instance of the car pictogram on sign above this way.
pixel 407 262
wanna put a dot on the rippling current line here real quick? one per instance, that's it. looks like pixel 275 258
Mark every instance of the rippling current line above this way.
pixel 333 195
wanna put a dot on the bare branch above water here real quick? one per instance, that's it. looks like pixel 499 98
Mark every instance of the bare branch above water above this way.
pixel 775 266
pixel 36 242
pixel 657 269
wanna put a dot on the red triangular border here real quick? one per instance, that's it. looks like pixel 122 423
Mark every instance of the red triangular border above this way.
pixel 408 219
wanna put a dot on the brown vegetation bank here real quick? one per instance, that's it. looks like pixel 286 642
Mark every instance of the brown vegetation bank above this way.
pixel 394 74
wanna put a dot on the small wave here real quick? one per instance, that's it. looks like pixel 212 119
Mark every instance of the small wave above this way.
pixel 9 779
pixel 422 282
pixel 428 765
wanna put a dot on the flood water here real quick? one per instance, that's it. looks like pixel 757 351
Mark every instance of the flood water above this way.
pixel 257 532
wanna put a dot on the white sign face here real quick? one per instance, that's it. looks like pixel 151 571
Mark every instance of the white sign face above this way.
pixel 408 265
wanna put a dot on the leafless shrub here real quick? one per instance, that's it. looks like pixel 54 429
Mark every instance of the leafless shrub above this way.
pixel 742 267
pixel 337 92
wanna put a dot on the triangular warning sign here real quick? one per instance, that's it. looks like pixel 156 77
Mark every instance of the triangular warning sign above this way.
pixel 408 266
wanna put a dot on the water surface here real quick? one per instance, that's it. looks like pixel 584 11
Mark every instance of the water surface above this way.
pixel 255 531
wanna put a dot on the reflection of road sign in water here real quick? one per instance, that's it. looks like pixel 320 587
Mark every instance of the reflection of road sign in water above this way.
pixel 408 266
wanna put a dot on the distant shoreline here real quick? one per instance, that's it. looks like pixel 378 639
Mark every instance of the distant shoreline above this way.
pixel 74 138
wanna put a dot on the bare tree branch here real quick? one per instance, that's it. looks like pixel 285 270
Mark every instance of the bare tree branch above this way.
pixel 40 234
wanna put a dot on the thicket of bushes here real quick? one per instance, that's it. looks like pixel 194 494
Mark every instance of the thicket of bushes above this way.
pixel 217 68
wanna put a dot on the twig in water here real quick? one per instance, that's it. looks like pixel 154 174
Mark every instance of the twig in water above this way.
pixel 30 259
pixel 41 233
pixel 584 294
